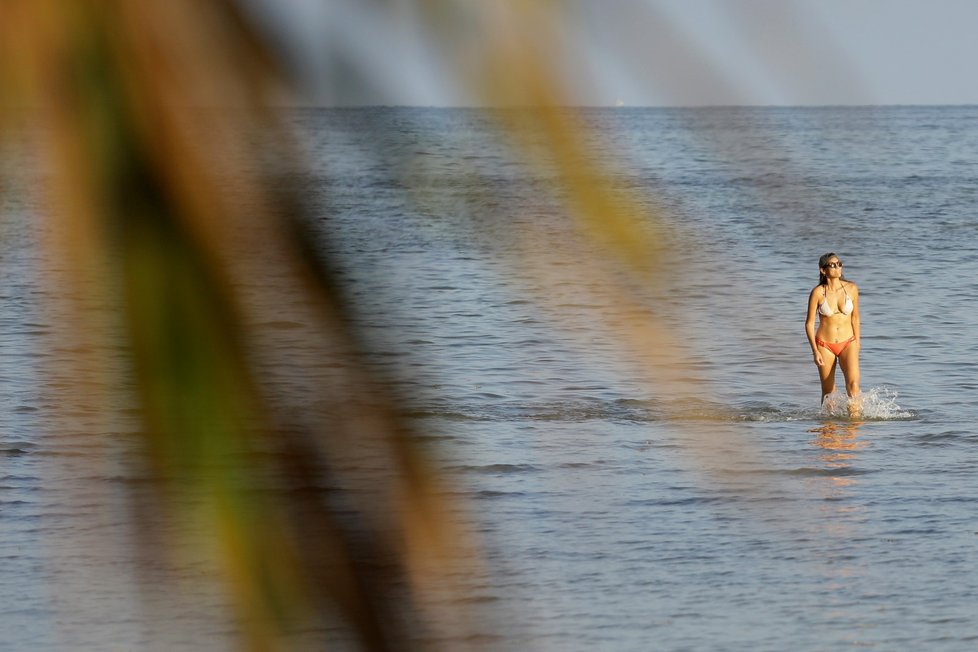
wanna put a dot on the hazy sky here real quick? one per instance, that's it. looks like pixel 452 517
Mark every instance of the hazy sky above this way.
pixel 655 52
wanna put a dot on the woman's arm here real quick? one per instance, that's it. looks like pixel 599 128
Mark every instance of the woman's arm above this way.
pixel 856 323
pixel 810 325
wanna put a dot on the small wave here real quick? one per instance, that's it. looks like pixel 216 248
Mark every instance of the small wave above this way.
pixel 497 468
pixel 695 409
pixel 15 449
pixel 581 465
pixel 677 502
pixel 490 494
pixel 282 325
pixel 943 437
pixel 878 404
pixel 448 415
pixel 575 410
pixel 839 471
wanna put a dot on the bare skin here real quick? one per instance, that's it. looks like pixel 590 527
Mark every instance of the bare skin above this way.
pixel 837 327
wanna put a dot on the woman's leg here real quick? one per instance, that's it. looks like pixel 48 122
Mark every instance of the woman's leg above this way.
pixel 849 361
pixel 826 372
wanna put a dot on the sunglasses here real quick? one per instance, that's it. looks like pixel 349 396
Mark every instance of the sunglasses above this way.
pixel 834 265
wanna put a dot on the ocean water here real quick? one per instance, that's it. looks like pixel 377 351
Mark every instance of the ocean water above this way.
pixel 619 508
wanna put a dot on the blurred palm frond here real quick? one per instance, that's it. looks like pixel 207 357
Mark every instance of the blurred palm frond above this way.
pixel 173 213
pixel 168 207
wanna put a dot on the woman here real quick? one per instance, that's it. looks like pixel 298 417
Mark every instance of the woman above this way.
pixel 836 301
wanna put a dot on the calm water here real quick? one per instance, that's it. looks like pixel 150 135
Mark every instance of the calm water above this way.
pixel 615 515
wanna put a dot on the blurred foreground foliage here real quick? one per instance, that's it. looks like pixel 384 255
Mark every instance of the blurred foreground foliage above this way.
pixel 169 206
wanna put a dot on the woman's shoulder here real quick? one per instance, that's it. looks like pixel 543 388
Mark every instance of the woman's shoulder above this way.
pixel 850 286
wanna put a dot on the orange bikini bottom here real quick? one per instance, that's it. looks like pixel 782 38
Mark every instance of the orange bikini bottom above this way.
pixel 836 347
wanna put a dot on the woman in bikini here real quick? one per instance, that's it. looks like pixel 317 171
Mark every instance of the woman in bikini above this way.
pixel 837 338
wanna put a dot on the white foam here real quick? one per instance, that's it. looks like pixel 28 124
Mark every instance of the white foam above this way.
pixel 878 403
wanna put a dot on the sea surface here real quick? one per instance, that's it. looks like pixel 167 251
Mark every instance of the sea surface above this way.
pixel 680 491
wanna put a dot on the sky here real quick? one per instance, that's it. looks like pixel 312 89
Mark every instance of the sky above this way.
pixel 643 52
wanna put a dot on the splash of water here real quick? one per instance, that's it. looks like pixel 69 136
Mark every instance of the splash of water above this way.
pixel 877 403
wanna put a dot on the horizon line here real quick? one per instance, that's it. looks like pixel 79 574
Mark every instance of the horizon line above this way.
pixel 617 106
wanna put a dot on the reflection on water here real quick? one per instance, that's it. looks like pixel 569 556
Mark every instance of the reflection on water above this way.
pixel 839 442
pixel 842 522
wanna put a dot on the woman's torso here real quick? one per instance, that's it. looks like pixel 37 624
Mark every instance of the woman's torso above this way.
pixel 835 308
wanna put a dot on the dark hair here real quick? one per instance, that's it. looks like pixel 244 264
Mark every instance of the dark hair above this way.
pixel 822 262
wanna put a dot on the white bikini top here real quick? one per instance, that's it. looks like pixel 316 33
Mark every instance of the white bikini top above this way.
pixel 826 311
